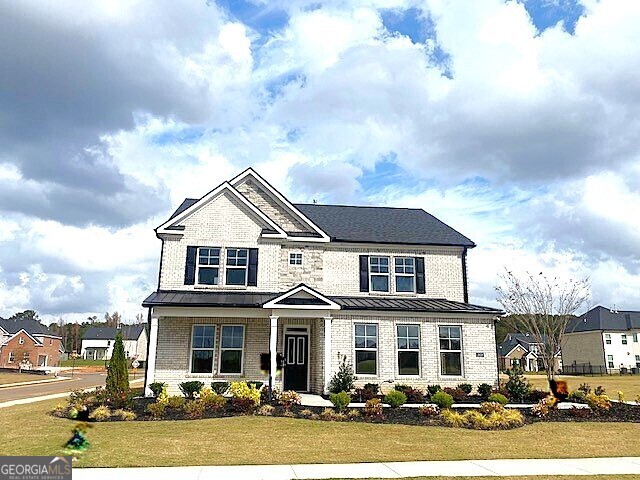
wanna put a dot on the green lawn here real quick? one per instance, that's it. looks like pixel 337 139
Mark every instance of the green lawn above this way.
pixel 628 384
pixel 81 362
pixel 29 430
pixel 11 377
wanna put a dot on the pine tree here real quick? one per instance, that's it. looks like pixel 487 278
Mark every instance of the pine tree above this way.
pixel 117 375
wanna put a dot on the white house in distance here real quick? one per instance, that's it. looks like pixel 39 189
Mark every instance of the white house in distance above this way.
pixel 253 287
pixel 603 339
pixel 97 342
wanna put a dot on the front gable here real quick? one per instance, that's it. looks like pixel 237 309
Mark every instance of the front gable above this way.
pixel 302 297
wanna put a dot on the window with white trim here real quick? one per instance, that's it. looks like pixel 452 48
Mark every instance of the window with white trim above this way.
pixel 236 271
pixel 295 258
pixel 607 338
pixel 610 361
pixel 405 273
pixel 624 339
pixel 12 357
pixel 635 337
pixel 202 344
pixel 366 348
pixel 231 348
pixel 408 340
pixel 379 274
pixel 637 358
pixel 450 350
pixel 208 266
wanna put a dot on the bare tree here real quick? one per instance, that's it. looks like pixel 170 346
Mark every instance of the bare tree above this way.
pixel 139 318
pixel 543 308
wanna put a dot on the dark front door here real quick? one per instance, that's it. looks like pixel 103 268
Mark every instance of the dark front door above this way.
pixel 296 360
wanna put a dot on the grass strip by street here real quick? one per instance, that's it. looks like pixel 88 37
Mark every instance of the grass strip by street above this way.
pixel 11 377
pixel 30 430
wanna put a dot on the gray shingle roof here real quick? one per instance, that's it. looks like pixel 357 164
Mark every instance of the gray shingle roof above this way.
pixel 601 318
pixel 347 223
pixel 256 300
pixel 129 332
pixel 32 326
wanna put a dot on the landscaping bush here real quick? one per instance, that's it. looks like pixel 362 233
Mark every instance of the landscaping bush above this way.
pixel 194 409
pixel 428 410
pixel 306 413
pixel 353 414
pixel 457 394
pixel 191 388
pixel 289 398
pixel 475 419
pixel 620 396
pixel 243 405
pixel 363 394
pixel 498 397
pixel 395 398
pixel 242 391
pixel 258 385
pixel 374 388
pixel 452 418
pixel 544 406
pixel 330 415
pixel 517 386
pixel 220 387
pixel 509 418
pixel 266 410
pixel 156 410
pixel 401 387
pixel 176 401
pixel 600 390
pixel 584 388
pixel 578 396
pixel 340 400
pixel 342 380
pixel 598 403
pixel 373 408
pixel 82 402
pixel 536 395
pixel 212 400
pixel 117 383
pixel 488 408
pixel 264 394
pixel 125 415
pixel 465 387
pixel 484 390
pixel 156 388
pixel 433 389
pixel 442 399
pixel 413 395
pixel 100 414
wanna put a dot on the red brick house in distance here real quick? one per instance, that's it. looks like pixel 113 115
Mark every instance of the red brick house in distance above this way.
pixel 28 344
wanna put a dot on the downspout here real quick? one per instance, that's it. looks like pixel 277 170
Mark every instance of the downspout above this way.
pixel 465 290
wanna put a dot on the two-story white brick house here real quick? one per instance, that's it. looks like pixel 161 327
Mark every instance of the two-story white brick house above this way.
pixel 253 287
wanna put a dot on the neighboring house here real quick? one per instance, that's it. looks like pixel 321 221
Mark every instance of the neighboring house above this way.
pixel 603 338
pixel 250 283
pixel 521 349
pixel 97 342
pixel 28 344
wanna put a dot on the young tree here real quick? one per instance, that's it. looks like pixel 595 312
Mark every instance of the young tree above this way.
pixel 117 388
pixel 543 308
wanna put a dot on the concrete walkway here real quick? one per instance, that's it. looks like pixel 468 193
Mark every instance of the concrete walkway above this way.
pixel 496 468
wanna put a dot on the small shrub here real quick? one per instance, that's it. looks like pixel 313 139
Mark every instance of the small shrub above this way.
pixel 498 397
pixel 414 395
pixel 212 400
pixel 452 418
pixel 241 391
pixel 306 413
pixel 342 380
pixel 401 387
pixel 457 394
pixel 340 400
pixel 374 388
pixel 620 396
pixel 484 390
pixel 584 388
pixel 257 384
pixel 395 398
pixel 536 395
pixel 176 401
pixel 476 420
pixel 509 418
pixel 156 410
pixel 362 394
pixel 466 387
pixel 353 414
pixel 163 396
pixel 600 390
pixel 373 408
pixel 191 388
pixel 194 409
pixel 264 394
pixel 442 399
pixel 289 398
pixel 100 414
pixel 266 410
pixel 428 410
pixel 433 389
pixel 598 403
pixel 243 405
pixel 60 410
pixel 517 386
pixel 125 415
pixel 577 396
pixel 328 414
pixel 220 387
pixel 544 406
pixel 487 408
pixel 72 413
pixel 156 388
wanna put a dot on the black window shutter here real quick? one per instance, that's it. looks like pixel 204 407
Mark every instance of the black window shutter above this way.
pixel 420 284
pixel 252 274
pixel 364 273
pixel 190 266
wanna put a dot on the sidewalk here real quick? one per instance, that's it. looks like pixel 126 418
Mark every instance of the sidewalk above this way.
pixel 497 468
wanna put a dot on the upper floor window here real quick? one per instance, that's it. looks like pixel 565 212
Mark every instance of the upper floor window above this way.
pixel 450 350
pixel 607 338
pixel 408 338
pixel 366 347
pixel 208 265
pixel 405 271
pixel 379 274
pixel 295 258
pixel 202 340
pixel 236 271
pixel 624 339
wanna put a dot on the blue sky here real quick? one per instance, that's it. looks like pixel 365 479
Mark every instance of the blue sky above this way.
pixel 509 120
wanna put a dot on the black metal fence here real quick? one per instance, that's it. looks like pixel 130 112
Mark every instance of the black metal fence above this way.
pixel 584 369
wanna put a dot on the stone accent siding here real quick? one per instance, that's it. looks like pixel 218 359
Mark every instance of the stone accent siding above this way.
pixel 271 208
pixel 309 273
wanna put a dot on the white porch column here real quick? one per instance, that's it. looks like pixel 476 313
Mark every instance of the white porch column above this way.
pixel 273 346
pixel 327 352
pixel 151 356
